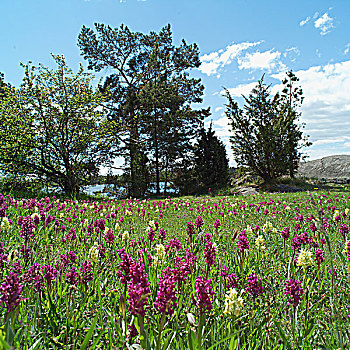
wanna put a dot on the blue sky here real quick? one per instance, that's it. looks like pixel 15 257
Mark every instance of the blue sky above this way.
pixel 239 40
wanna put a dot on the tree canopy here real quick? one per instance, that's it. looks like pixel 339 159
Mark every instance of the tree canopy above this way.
pixel 266 135
pixel 151 95
pixel 54 127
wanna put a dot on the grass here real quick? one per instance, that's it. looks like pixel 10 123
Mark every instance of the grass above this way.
pixel 132 274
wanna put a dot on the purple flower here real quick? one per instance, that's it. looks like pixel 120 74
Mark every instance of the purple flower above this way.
pixel 285 233
pixel 295 292
pixel 210 253
pixel 243 243
pixel 162 234
pixel 138 289
pixel 49 272
pixel 72 277
pixel 166 298
pixel 319 256
pixel 34 278
pixel 109 237
pixel 86 274
pixel 199 222
pixel 124 273
pixel 217 224
pixel 343 229
pixel 10 292
pixel 254 286
pixel 27 227
pixel 190 228
pixel 203 294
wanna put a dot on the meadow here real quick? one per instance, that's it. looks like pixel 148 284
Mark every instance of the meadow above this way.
pixel 269 271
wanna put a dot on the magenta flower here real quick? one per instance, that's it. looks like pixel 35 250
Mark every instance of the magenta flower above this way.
pixel 210 253
pixel 217 224
pixel 285 233
pixel 203 294
pixel 295 292
pixel 49 273
pixel 243 243
pixel 72 277
pixel 86 274
pixel 27 227
pixel 138 289
pixel 10 292
pixel 34 278
pixel 199 222
pixel 319 256
pixel 190 228
pixel 166 298
pixel 254 286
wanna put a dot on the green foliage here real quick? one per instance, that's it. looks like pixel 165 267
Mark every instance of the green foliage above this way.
pixel 150 96
pixel 54 128
pixel 211 162
pixel 266 136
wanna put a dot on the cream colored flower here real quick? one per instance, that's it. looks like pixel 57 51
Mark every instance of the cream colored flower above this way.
pixel 347 210
pixel 260 243
pixel 336 213
pixel 267 228
pixel 93 253
pixel 305 258
pixel 125 236
pixel 160 254
pixel 5 224
pixel 233 303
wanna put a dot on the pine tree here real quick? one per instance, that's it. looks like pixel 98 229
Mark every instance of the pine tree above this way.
pixel 266 136
pixel 211 162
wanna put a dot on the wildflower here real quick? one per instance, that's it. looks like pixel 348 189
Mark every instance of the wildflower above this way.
pixel 27 227
pixel 49 273
pixel 36 218
pixel 217 224
pixel 160 254
pixel 210 253
pixel 33 277
pixel 199 222
pixel 152 225
pixel 305 258
pixel 285 233
pixel 125 236
pixel 72 277
pixel 5 224
pixel 336 215
pixel 93 253
pixel 347 249
pixel 260 243
pixel 10 292
pixel 254 286
pixel 243 243
pixel 203 294
pixel 346 211
pixel 267 228
pixel 249 230
pixel 162 234
pixel 124 272
pixel 319 256
pixel 166 298
pixel 138 289
pixel 295 292
pixel 233 303
pixel 86 274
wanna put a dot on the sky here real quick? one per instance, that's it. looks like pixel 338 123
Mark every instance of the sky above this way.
pixel 239 41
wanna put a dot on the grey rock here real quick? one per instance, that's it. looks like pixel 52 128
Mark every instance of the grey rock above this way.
pixel 327 168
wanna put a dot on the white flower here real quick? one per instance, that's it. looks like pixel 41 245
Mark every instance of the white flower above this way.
pixel 93 253
pixel 260 243
pixel 160 254
pixel 125 235
pixel 5 224
pixel 267 227
pixel 305 258
pixel 233 303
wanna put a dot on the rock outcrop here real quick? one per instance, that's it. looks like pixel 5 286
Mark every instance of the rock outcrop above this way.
pixel 327 168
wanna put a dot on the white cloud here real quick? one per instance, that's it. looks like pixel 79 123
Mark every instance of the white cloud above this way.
pixel 268 60
pixel 217 109
pixel 292 53
pixel 211 63
pixel 326 108
pixel 304 21
pixel 347 49
pixel 324 23
pixel 241 89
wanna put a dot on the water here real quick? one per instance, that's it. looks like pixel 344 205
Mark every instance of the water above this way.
pixel 95 189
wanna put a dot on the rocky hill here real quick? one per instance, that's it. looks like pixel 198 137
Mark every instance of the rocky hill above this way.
pixel 328 168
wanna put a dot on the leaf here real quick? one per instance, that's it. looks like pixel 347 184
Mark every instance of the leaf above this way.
pixel 88 336
pixel 282 334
